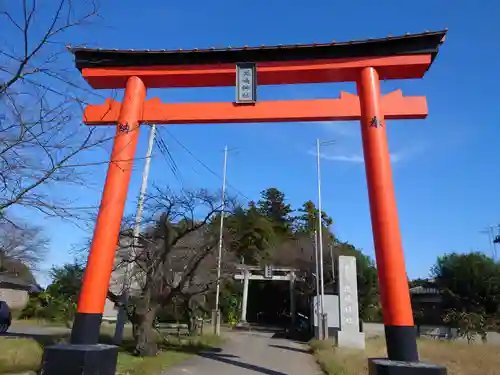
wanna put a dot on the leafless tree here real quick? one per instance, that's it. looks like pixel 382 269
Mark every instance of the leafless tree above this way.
pixel 21 245
pixel 42 143
pixel 175 259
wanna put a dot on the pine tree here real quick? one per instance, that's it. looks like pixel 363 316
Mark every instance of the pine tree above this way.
pixel 273 206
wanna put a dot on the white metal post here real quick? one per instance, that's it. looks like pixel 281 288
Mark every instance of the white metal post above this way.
pixel 320 239
pixel 333 263
pixel 318 295
pixel 219 256
pixel 122 312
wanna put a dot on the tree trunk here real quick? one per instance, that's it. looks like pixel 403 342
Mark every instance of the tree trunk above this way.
pixel 191 318
pixel 142 324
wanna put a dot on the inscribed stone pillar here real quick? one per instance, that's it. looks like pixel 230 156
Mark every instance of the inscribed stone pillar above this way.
pixel 349 334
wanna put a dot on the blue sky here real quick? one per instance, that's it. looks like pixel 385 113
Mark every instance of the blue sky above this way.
pixel 444 167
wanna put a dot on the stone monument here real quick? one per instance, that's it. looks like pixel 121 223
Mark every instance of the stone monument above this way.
pixel 349 335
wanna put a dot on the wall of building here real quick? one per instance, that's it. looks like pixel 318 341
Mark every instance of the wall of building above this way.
pixel 15 298
pixel 110 311
pixel 117 279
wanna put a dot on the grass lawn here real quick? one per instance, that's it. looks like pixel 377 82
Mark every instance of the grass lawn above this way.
pixel 25 354
pixel 459 358
pixel 128 364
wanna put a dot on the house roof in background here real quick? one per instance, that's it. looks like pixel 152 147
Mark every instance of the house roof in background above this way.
pixel 419 290
pixel 13 279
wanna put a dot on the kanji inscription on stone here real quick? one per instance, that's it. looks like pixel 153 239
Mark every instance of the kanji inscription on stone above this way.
pixel 348 290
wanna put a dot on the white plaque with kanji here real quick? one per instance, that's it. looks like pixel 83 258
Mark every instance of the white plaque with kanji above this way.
pixel 246 83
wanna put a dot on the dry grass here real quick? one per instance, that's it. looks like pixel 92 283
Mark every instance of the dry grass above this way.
pixel 25 354
pixel 19 354
pixel 458 357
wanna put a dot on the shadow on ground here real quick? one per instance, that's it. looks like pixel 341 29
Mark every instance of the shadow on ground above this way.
pixel 259 328
pixel 278 332
pixel 292 336
pixel 226 359
pixel 297 350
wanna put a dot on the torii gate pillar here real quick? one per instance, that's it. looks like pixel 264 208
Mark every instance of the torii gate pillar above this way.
pixel 100 263
pixel 244 301
pixel 398 317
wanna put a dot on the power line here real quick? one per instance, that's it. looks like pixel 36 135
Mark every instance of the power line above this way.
pixel 203 164
pixel 167 155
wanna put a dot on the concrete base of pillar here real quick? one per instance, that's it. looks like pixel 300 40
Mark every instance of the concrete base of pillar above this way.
pixel 351 340
pixel 242 325
pixel 332 333
pixel 382 366
pixel 213 322
pixel 324 324
pixel 217 323
pixel 69 359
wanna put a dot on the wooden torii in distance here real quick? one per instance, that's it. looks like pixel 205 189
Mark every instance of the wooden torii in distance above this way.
pixel 365 62
pixel 247 273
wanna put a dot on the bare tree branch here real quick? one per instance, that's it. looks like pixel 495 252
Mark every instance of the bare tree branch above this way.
pixel 174 257
pixel 21 244
pixel 42 145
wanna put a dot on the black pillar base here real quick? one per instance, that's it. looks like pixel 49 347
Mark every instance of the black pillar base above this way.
pixel 86 328
pixel 401 343
pixel 382 366
pixel 70 359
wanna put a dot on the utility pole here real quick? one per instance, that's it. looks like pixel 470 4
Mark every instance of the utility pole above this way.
pixel 219 256
pixel 319 334
pixel 494 239
pixel 122 312
pixel 333 264
pixel 324 317
pixel 491 239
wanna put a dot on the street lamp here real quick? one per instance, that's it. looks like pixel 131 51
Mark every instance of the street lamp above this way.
pixel 216 313
pixel 493 238
pixel 324 316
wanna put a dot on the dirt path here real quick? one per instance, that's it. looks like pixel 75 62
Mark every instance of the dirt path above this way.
pixel 248 353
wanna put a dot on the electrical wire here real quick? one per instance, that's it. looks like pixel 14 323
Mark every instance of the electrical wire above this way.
pixel 204 165
pixel 167 155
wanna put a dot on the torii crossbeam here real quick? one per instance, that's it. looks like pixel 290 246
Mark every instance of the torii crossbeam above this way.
pixel 346 108
pixel 365 62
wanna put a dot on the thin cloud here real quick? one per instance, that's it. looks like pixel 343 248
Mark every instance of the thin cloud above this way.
pixel 346 158
pixel 348 149
pixel 396 157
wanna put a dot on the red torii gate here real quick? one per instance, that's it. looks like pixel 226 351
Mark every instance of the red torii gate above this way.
pixel 365 62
